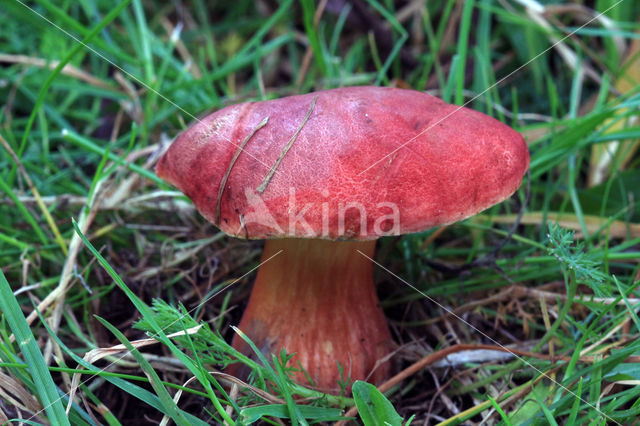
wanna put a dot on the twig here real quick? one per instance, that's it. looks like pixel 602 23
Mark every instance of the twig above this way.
pixel 240 149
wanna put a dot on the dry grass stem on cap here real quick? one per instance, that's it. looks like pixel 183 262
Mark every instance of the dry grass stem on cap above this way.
pixel 286 148
pixel 240 150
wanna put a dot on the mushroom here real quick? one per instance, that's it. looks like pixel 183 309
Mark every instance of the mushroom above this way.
pixel 321 176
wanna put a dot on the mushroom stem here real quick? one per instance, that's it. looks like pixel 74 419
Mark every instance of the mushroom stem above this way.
pixel 317 299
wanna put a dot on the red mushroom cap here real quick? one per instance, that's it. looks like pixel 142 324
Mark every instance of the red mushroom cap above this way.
pixel 363 162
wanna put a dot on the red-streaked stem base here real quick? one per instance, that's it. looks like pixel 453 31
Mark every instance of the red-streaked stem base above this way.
pixel 317 298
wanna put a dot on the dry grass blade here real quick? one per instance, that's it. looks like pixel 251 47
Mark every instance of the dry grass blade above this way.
pixel 178 258
pixel 257 391
pixel 57 295
pixel 104 197
pixel 308 54
pixel 156 200
pixel 603 156
pixel 234 381
pixel 615 228
pixel 443 353
pixel 36 194
pixel 515 292
pixel 68 69
pixel 182 49
pixel 99 353
pixel 536 11
pixel 14 392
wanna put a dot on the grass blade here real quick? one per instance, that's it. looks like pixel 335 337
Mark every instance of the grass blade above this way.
pixel 45 87
pixel 45 387
pixel 131 389
pixel 154 379
pixel 147 313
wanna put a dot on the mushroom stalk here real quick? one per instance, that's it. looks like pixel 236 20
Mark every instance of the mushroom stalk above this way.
pixel 317 298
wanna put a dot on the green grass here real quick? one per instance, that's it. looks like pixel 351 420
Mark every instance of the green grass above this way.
pixel 91 240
